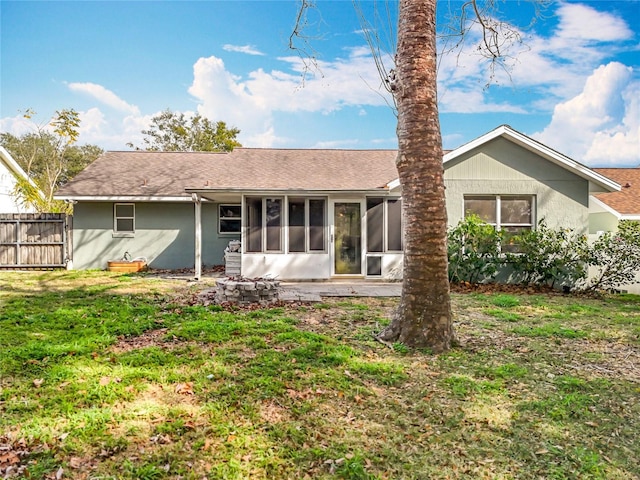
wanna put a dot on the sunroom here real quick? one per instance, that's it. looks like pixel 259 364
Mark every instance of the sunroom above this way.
pixel 309 235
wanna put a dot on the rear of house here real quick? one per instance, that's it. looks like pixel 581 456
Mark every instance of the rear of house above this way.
pixel 308 214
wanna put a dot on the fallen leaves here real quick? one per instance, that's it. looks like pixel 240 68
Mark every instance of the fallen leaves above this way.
pixel 185 388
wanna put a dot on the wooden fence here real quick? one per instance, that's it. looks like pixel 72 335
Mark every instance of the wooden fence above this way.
pixel 34 240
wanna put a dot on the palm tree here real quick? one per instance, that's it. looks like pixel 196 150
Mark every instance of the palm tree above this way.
pixel 423 318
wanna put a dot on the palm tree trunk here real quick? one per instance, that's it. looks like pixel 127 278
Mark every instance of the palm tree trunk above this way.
pixel 423 318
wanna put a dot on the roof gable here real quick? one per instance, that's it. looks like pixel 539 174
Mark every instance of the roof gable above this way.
pixel 12 165
pixel 597 182
pixel 15 173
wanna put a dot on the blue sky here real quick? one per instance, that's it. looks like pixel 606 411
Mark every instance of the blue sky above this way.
pixel 573 83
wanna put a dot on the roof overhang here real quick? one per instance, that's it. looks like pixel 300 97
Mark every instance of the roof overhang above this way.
pixel 598 206
pixel 217 194
pixel 597 182
pixel 120 198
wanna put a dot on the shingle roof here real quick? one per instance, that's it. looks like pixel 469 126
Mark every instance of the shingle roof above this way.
pixel 168 174
pixel 627 200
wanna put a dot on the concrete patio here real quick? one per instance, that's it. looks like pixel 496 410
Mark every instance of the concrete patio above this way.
pixel 314 291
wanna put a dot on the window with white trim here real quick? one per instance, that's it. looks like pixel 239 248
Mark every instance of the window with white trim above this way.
pixel 229 219
pixel 512 214
pixel 124 218
pixel 306 224
pixel 264 224
pixel 384 225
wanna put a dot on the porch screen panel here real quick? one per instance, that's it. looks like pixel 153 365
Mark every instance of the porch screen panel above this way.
pixel 254 224
pixel 317 229
pixel 296 225
pixel 394 225
pixel 274 224
pixel 375 224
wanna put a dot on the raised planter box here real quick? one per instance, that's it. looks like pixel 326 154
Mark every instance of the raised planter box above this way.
pixel 126 267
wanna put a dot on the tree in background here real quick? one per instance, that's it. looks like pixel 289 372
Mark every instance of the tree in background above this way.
pixel 49 157
pixel 173 132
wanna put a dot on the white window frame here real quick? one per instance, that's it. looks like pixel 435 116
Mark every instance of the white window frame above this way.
pixel 385 225
pixel 307 225
pixel 123 233
pixel 498 225
pixel 221 218
pixel 263 226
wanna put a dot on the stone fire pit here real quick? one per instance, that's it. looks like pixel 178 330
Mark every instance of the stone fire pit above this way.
pixel 244 291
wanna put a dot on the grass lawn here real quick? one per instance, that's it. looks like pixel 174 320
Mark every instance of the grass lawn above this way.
pixel 106 376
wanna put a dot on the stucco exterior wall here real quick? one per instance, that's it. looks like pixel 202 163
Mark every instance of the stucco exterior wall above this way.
pixel 164 235
pixel 503 168
pixel 602 222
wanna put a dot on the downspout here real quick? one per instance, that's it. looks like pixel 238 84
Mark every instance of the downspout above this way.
pixel 197 200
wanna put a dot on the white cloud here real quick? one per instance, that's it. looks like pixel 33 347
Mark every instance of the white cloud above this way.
pixel 17 125
pixel 104 96
pixel 346 143
pixel 552 68
pixel 250 103
pixel 599 126
pixel 583 23
pixel 248 49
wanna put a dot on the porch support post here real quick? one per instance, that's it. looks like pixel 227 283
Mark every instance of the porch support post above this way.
pixel 197 201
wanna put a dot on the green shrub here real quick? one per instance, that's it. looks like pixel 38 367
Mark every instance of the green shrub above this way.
pixel 474 251
pixel 616 257
pixel 549 257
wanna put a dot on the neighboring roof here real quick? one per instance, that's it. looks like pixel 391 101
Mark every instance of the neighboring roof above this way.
pixel 626 202
pixel 18 172
pixel 168 174
pixel 13 166
pixel 597 181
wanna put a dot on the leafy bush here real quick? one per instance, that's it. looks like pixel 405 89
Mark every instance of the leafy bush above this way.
pixel 549 257
pixel 474 251
pixel 616 257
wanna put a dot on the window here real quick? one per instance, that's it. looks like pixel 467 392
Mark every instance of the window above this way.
pixel 124 218
pixel 264 224
pixel 512 214
pixel 384 225
pixel 306 224
pixel 229 218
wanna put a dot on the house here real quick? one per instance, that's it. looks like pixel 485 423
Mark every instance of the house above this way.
pixel 10 172
pixel 607 209
pixel 309 214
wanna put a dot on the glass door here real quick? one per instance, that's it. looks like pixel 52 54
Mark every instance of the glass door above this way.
pixel 347 238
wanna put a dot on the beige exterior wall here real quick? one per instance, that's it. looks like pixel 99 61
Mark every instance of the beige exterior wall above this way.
pixel 602 222
pixel 503 168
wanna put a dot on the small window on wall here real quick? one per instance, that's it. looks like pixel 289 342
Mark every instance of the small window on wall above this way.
pixel 512 214
pixel 229 218
pixel 384 225
pixel 124 218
